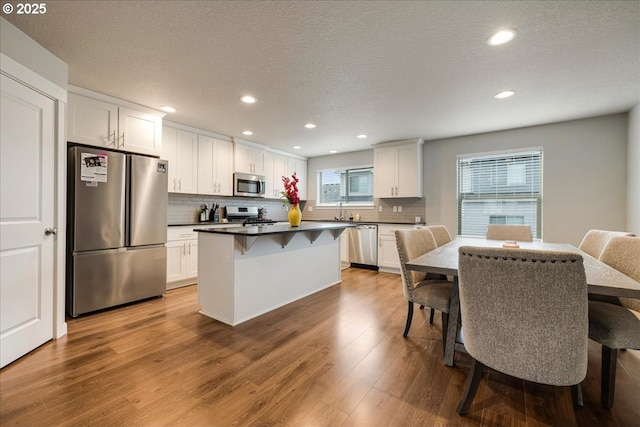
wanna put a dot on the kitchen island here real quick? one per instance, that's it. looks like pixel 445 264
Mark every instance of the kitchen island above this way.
pixel 244 272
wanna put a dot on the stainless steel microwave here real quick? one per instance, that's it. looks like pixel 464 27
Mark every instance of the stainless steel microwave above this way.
pixel 248 185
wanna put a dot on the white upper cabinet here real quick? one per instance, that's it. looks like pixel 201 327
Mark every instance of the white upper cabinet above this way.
pixel 139 132
pixel 180 148
pixel 215 166
pixel 275 167
pixel 103 124
pixel 91 122
pixel 298 166
pixel 248 159
pixel 398 169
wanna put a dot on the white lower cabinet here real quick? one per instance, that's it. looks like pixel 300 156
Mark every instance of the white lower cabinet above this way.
pixel 182 256
pixel 344 249
pixel 182 253
pixel 388 259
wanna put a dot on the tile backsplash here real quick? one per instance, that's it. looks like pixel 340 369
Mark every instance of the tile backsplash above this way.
pixel 185 208
pixel 411 208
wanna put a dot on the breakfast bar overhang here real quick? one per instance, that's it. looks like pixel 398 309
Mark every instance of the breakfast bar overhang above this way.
pixel 244 272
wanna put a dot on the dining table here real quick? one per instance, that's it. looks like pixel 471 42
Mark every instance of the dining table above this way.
pixel 602 279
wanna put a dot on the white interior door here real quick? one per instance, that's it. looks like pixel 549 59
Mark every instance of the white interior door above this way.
pixel 27 179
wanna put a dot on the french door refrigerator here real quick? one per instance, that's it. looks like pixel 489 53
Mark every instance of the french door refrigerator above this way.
pixel 117 228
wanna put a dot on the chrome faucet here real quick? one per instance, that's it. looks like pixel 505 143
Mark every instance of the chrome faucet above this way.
pixel 340 216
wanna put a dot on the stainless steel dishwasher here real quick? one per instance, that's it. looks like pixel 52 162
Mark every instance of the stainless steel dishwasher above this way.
pixel 363 246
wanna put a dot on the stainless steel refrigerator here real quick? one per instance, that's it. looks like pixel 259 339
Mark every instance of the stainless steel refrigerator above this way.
pixel 117 228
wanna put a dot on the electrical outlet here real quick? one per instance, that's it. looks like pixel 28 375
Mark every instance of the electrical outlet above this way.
pixel 380 208
pixel 395 209
pixel 310 208
pixel 399 208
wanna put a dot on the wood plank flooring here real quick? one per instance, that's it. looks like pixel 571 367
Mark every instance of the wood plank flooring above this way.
pixel 336 358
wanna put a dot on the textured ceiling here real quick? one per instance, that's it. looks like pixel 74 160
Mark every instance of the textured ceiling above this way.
pixel 389 69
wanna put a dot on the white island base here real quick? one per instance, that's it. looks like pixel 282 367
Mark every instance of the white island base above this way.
pixel 243 276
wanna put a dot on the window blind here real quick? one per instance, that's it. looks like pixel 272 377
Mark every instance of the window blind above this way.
pixel 500 188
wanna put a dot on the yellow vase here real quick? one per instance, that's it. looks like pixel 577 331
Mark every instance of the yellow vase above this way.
pixel 295 216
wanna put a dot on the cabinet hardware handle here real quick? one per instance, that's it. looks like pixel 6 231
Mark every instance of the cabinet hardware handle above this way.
pixel 184 249
pixel 50 230
pixel 189 248
pixel 114 139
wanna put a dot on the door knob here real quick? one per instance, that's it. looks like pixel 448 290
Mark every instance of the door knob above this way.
pixel 49 231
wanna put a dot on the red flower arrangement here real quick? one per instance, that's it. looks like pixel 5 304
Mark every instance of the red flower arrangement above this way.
pixel 290 192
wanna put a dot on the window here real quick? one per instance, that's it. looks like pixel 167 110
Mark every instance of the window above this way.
pixel 346 186
pixel 500 188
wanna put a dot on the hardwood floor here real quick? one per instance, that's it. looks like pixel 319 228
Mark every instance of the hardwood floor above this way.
pixel 336 358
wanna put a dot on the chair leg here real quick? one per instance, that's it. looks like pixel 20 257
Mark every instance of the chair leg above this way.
pixel 470 387
pixel 445 327
pixel 608 376
pixel 576 396
pixel 409 318
pixel 431 316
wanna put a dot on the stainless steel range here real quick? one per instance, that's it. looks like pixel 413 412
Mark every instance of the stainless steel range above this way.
pixel 247 216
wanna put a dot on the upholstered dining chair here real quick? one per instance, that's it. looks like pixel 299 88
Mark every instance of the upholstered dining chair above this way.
pixel 417 287
pixel 524 313
pixel 616 326
pixel 440 233
pixel 442 236
pixel 520 233
pixel 594 241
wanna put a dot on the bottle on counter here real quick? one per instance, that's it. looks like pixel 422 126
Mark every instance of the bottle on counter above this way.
pixel 203 213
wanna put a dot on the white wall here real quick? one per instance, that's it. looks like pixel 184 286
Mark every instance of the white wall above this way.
pixel 20 47
pixel 584 174
pixel 633 171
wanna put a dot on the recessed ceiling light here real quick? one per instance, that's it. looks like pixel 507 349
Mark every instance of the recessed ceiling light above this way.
pixel 309 125
pixel 247 132
pixel 248 99
pixel 361 136
pixel 333 151
pixel 296 147
pixel 504 94
pixel 501 37
pixel 168 109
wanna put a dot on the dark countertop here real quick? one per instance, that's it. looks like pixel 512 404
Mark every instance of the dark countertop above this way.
pixel 263 230
pixel 199 224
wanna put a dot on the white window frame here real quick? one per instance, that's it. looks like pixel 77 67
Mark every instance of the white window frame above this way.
pixel 511 180
pixel 361 205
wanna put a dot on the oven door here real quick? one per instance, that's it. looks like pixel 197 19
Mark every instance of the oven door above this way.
pixel 248 185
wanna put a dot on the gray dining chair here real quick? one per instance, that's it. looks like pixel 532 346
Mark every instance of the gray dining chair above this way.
pixel 612 325
pixel 594 240
pixel 519 233
pixel 440 233
pixel 417 287
pixel 442 236
pixel 524 313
